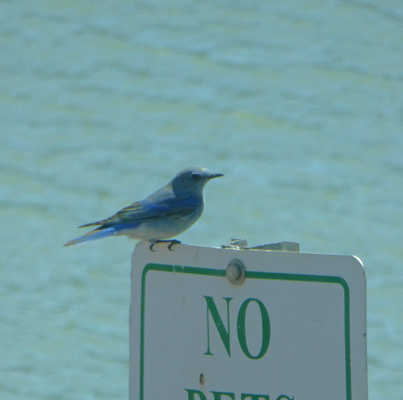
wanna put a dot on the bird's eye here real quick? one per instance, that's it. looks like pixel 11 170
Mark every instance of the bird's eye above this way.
pixel 196 177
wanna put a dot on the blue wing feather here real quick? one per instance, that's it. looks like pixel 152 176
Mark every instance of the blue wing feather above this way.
pixel 143 211
pixel 93 235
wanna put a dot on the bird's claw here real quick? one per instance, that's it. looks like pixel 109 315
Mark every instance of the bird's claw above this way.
pixel 171 243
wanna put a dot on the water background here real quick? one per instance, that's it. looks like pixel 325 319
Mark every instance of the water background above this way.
pixel 299 104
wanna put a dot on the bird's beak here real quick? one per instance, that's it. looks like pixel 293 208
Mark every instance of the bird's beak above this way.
pixel 213 175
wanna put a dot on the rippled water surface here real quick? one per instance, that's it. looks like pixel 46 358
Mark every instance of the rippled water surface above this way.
pixel 299 104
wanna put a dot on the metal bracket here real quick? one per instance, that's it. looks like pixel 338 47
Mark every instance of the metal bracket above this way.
pixel 242 244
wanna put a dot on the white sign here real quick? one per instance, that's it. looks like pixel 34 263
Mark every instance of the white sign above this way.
pixel 294 329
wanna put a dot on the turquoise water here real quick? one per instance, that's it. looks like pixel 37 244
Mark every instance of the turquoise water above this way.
pixel 299 104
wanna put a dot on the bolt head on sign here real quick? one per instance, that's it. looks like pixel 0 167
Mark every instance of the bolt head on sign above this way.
pixel 228 324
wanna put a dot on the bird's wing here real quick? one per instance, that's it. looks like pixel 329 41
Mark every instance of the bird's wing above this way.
pixel 143 211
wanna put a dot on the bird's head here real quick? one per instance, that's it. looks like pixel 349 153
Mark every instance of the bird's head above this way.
pixel 192 180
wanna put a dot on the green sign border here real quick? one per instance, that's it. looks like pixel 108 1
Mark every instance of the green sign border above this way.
pixel 177 269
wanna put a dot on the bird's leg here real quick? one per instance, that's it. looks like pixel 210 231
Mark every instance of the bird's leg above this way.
pixel 171 243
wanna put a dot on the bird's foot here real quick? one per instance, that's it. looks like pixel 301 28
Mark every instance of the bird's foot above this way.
pixel 171 243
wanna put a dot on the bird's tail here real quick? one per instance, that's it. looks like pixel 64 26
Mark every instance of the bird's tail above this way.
pixel 93 235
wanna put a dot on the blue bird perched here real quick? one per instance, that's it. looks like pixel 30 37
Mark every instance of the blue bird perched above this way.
pixel 162 215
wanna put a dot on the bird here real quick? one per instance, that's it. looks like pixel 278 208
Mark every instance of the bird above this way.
pixel 164 214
